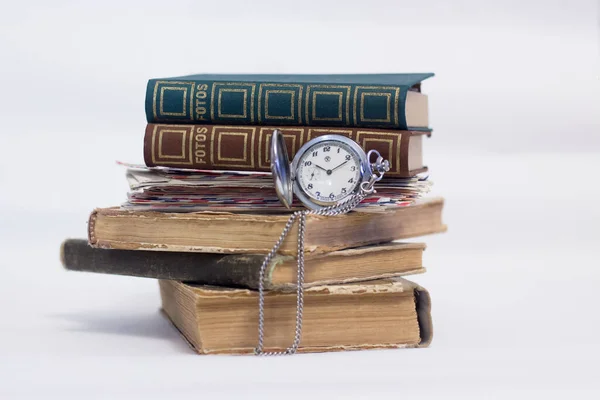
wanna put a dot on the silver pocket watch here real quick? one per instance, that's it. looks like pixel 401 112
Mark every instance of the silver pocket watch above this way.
pixel 327 171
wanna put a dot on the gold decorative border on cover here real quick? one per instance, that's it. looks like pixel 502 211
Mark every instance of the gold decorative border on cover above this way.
pixel 289 117
pixel 244 104
pixel 218 132
pixel 162 101
pixel 362 138
pixel 293 104
pixel 219 147
pixel 161 134
pixel 388 97
pixel 172 85
pixel 340 116
pixel 315 132
pixel 395 90
pixel 156 149
pixel 267 133
pixel 247 88
pixel 328 90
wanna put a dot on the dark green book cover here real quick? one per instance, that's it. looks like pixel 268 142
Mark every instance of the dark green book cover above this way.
pixel 213 269
pixel 362 100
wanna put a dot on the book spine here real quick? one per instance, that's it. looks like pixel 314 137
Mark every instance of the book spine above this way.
pixel 248 147
pixel 205 268
pixel 269 103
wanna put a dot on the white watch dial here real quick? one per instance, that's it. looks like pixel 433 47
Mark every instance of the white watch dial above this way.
pixel 329 171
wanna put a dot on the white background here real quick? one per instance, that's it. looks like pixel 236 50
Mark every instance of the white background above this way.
pixel 515 151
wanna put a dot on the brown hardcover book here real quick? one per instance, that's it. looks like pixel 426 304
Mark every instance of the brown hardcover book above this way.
pixel 390 313
pixel 219 232
pixel 248 147
pixel 243 270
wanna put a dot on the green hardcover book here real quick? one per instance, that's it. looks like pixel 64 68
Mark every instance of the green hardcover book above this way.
pixel 390 101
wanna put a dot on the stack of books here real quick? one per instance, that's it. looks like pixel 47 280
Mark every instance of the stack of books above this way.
pixel 202 213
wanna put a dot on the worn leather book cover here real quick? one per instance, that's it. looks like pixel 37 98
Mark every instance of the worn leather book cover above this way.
pixel 242 270
pixel 226 232
pixel 389 313
pixel 389 101
pixel 239 147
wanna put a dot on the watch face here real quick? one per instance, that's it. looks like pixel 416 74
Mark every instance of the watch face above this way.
pixel 329 171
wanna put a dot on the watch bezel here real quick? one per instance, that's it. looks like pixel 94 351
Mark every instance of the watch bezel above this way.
pixel 365 169
pixel 280 168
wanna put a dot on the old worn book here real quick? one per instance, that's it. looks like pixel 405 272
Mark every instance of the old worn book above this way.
pixel 220 232
pixel 248 147
pixel 242 270
pixel 376 314
pixel 389 101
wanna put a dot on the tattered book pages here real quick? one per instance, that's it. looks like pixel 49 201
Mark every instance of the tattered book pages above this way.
pixel 185 190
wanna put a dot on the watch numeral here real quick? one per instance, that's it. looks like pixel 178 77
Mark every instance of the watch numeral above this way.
pixel 318 193
pixel 315 153
pixel 348 157
pixel 307 163
pixel 327 148
pixel 353 168
pixel 339 148
pixel 351 180
pixel 332 196
pixel 310 186
pixel 343 190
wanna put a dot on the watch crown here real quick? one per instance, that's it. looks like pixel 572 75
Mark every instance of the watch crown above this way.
pixel 385 166
pixel 381 165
